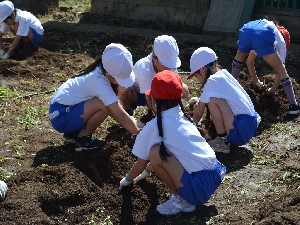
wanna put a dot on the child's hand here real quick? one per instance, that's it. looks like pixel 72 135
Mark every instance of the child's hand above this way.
pixel 138 123
pixel 142 176
pixel 2 52
pixel 193 101
pixel 5 56
pixel 125 182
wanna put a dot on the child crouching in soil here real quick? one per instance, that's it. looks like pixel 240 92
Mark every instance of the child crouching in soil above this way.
pixel 84 101
pixel 178 154
pixel 25 26
pixel 230 107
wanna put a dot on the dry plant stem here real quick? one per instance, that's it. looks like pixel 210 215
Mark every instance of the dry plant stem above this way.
pixel 30 95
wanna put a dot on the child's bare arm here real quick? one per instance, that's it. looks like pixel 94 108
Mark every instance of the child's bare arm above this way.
pixel 138 167
pixel 198 111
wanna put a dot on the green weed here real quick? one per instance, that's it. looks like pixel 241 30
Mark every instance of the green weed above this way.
pixel 106 221
pixel 60 75
pixel 7 92
pixel 29 117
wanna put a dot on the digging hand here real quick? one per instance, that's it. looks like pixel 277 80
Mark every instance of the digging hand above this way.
pixel 142 176
pixel 125 182
pixel 5 56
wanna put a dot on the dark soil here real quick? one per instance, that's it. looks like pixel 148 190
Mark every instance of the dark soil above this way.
pixel 49 183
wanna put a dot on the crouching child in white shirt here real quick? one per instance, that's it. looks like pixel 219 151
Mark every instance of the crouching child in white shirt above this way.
pixel 177 152
pixel 26 28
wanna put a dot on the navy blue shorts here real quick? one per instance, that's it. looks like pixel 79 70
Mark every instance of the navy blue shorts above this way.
pixel 36 37
pixel 199 186
pixel 255 36
pixel 244 129
pixel 66 119
pixel 141 100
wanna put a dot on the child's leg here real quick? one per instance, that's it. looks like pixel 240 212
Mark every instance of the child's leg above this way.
pixel 276 84
pixel 221 115
pixel 275 62
pixel 169 172
pixel 95 112
pixel 149 167
pixel 238 64
pixel 251 67
pixel 128 98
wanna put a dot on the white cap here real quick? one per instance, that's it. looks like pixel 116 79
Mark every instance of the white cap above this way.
pixel 166 50
pixel 6 8
pixel 200 58
pixel 117 61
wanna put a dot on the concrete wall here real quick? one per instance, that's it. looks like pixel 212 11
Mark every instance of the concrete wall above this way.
pixel 36 7
pixel 188 17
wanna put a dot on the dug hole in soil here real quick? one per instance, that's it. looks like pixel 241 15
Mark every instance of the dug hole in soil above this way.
pixel 50 183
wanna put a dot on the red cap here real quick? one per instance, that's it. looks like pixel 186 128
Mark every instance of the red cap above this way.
pixel 286 35
pixel 166 85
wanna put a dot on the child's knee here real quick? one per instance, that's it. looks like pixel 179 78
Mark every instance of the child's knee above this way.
pixel 240 56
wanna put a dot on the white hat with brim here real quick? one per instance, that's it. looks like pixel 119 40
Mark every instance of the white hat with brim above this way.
pixel 117 61
pixel 200 58
pixel 170 63
pixel 126 82
pixel 166 49
pixel 6 9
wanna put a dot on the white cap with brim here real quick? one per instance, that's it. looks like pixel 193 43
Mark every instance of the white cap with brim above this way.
pixel 117 61
pixel 126 82
pixel 200 58
pixel 166 50
pixel 6 9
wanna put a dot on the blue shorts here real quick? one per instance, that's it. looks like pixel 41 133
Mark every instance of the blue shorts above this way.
pixel 36 37
pixel 255 36
pixel 244 129
pixel 141 100
pixel 66 119
pixel 199 186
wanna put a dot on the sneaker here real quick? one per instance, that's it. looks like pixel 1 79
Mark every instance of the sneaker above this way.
pixel 294 109
pixel 27 46
pixel 219 146
pixel 70 137
pixel 87 142
pixel 175 205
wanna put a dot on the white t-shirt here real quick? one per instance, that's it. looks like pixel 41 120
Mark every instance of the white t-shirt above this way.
pixel 79 89
pixel 279 43
pixel 144 73
pixel 181 138
pixel 26 20
pixel 223 85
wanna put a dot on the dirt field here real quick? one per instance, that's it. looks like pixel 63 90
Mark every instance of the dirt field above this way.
pixel 49 183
